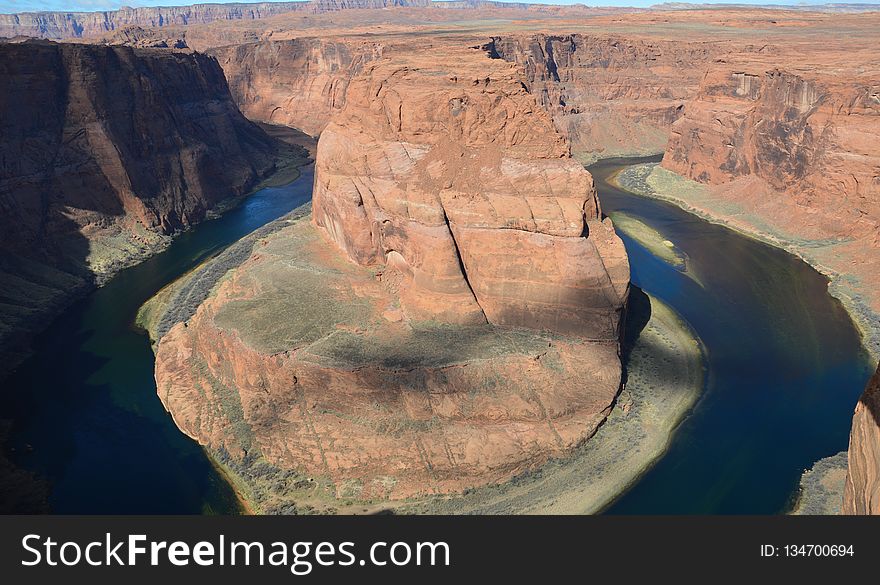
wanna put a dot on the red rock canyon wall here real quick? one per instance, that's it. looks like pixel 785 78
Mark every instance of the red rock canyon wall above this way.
pixel 862 491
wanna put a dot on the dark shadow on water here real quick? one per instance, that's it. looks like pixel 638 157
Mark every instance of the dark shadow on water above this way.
pixel 89 428
pixel 39 277
pixel 638 314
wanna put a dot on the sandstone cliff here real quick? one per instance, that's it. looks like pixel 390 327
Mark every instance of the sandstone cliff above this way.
pixel 67 25
pixel 789 149
pixel 862 491
pixel 809 133
pixel 299 82
pixel 104 152
pixel 611 95
pixel 455 178
pixel 451 322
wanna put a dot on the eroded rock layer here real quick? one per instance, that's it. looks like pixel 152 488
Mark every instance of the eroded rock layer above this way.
pixel 611 95
pixel 66 25
pixel 456 178
pixel 448 319
pixel 805 131
pixel 862 491
pixel 299 82
pixel 104 151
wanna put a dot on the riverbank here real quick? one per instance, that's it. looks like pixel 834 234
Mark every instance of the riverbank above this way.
pixel 846 278
pixel 116 251
pixel 664 380
pixel 821 488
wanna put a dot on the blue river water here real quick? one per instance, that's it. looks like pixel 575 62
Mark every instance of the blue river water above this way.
pixel 785 364
pixel 784 361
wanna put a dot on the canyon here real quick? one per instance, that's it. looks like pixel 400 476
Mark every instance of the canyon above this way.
pixel 791 155
pixel 454 235
pixel 106 153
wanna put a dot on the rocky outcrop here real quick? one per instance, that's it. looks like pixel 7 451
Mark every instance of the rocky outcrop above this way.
pixel 789 149
pixel 470 296
pixel 454 177
pixel 610 95
pixel 809 134
pixel 862 492
pixel 138 36
pixel 104 152
pixel 299 82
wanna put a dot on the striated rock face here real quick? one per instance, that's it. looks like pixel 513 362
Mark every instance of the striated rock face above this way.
pixel 458 179
pixel 862 491
pixel 790 148
pixel 103 152
pixel 299 82
pixel 460 326
pixel 810 134
pixel 137 36
pixel 67 25
pixel 610 95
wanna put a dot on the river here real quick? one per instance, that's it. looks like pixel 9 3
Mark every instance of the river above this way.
pixel 785 368
pixel 785 363
pixel 86 412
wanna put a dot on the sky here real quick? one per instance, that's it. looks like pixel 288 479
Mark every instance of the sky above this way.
pixel 11 6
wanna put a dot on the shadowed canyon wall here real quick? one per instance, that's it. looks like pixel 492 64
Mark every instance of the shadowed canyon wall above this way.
pixel 104 152
pixel 862 491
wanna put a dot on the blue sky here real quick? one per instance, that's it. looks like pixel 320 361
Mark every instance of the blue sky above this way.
pixel 8 6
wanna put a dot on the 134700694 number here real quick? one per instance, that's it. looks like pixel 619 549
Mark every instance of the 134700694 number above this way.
pixel 818 550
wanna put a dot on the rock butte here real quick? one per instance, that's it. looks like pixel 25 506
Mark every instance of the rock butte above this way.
pixel 469 320
pixel 455 178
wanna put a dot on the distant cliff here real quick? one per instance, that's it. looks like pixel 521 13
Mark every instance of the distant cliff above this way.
pixel 862 491
pixel 104 152
pixel 612 96
pixel 67 25
pixel 298 82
